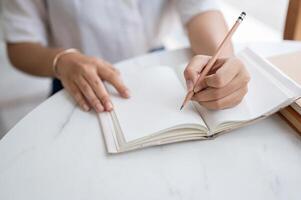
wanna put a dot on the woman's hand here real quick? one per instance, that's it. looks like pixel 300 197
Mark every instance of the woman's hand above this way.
pixel 225 85
pixel 82 76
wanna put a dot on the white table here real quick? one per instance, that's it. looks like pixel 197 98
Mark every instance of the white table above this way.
pixel 57 152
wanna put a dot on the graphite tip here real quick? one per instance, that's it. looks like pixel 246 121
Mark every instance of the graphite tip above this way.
pixel 181 107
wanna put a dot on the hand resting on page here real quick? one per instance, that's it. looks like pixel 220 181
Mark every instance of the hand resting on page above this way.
pixel 83 76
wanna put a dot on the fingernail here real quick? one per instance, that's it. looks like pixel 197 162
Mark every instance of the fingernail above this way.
pixel 189 85
pixel 109 106
pixel 127 93
pixel 86 108
pixel 197 88
pixel 99 107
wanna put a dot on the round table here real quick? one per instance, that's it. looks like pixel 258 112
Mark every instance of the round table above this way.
pixel 57 152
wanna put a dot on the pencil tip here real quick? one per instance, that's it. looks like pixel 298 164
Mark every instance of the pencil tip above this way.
pixel 181 107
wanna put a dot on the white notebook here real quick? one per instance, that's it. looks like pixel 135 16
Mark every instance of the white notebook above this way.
pixel 152 115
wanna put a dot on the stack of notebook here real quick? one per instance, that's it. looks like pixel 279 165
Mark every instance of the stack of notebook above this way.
pixel 290 64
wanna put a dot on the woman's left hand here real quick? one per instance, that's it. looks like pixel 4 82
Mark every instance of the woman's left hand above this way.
pixel 225 85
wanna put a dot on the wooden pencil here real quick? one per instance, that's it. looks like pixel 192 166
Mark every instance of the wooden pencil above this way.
pixel 213 59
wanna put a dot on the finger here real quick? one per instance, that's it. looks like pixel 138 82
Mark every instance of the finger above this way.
pixel 113 78
pixel 224 74
pixel 194 67
pixel 89 94
pixel 202 84
pixel 104 63
pixel 210 94
pixel 218 63
pixel 229 101
pixel 77 95
pixel 100 91
pixel 107 64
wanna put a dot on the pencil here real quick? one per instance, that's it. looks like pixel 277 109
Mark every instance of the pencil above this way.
pixel 213 59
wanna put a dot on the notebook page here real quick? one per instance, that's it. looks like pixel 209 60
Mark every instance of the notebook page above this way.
pixel 265 94
pixel 286 86
pixel 213 119
pixel 290 64
pixel 156 96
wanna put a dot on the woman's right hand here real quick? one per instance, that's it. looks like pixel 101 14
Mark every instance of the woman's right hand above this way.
pixel 82 76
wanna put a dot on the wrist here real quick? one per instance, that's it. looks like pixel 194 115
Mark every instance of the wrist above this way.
pixel 58 57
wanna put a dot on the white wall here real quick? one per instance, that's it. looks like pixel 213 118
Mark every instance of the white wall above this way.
pixel 256 27
pixel 270 12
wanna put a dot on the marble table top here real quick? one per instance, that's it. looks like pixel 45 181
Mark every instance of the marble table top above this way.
pixel 58 152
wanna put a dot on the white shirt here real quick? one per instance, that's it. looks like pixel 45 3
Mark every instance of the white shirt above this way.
pixel 110 29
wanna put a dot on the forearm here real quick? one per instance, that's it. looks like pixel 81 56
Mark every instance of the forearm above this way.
pixel 206 31
pixel 32 58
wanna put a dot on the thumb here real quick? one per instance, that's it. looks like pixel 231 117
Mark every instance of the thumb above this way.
pixel 196 65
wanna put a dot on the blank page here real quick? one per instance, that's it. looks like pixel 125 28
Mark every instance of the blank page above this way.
pixel 290 65
pixel 156 97
pixel 268 90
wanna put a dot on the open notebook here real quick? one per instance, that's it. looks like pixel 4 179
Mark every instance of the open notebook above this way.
pixel 152 116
